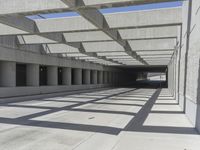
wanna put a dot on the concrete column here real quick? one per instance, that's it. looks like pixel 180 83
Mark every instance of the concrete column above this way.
pixel 52 75
pixel 109 77
pixel 94 76
pixel 105 76
pixel 32 75
pixel 86 76
pixel 100 77
pixel 67 76
pixel 8 74
pixel 114 78
pixel 77 76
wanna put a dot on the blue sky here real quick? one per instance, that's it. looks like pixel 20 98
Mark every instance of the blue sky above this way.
pixel 111 10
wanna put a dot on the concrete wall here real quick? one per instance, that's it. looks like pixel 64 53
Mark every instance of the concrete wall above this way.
pixel 171 76
pixel 188 91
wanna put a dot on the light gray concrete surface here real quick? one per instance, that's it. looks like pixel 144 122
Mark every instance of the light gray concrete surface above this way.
pixel 52 75
pixel 86 76
pixel 112 119
pixel 32 75
pixel 67 76
pixel 77 76
pixel 8 73
pixel 188 90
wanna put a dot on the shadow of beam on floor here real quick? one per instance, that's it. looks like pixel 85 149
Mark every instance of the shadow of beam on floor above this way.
pixel 141 116
pixel 60 125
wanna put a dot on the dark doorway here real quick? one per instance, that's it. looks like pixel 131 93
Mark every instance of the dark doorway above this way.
pixel 60 76
pixel 43 75
pixel 20 75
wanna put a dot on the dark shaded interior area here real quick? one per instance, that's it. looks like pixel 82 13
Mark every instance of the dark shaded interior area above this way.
pixel 43 75
pixel 20 75
pixel 139 77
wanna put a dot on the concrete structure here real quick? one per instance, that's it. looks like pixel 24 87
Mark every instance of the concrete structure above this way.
pixel 49 57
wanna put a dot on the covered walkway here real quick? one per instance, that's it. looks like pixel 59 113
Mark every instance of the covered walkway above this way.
pixel 99 74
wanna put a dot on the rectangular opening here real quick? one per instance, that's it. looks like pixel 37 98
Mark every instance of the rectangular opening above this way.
pixel 20 74
pixel 60 76
pixel 43 75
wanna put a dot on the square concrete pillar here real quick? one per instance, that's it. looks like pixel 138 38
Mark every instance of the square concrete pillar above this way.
pixel 105 77
pixel 52 75
pixel 100 77
pixel 109 77
pixel 8 74
pixel 86 76
pixel 32 75
pixel 113 78
pixel 67 76
pixel 77 76
pixel 94 76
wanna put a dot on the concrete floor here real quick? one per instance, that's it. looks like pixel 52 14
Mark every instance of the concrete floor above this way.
pixel 114 119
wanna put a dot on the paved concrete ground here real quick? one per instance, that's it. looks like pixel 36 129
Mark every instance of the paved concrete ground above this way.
pixel 114 119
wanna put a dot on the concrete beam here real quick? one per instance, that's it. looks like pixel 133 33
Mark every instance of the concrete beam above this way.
pixel 97 19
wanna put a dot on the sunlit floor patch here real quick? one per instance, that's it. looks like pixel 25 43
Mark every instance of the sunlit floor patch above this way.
pixel 169 120
pixel 40 103
pixel 87 118
pixel 156 141
pixel 15 112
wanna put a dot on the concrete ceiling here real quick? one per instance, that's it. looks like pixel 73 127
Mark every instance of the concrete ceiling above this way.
pixel 137 38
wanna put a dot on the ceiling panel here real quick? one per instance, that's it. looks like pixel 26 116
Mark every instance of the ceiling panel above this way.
pixel 156 44
pixel 102 47
pixel 62 48
pixel 113 54
pixel 7 30
pixel 86 36
pixel 34 39
pixel 155 53
pixel 133 19
pixel 157 56
pixel 24 6
pixel 118 57
pixel 148 33
pixel 97 2
pixel 64 24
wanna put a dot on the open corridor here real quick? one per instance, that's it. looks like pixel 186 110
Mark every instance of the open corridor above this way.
pixel 106 119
